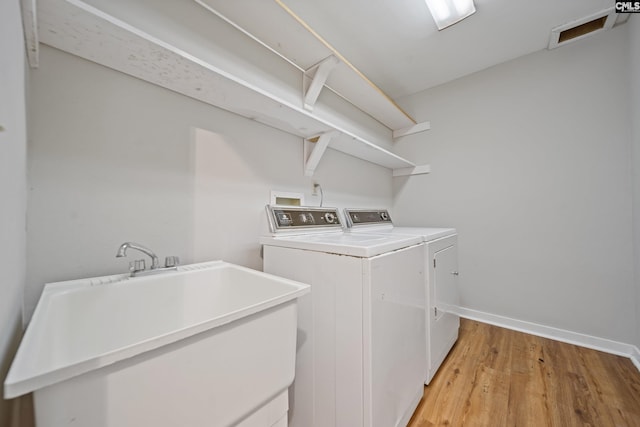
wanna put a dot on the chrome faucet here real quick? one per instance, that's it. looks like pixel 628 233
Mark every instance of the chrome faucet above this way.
pixel 122 251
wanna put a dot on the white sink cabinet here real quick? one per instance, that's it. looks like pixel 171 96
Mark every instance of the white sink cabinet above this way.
pixel 211 344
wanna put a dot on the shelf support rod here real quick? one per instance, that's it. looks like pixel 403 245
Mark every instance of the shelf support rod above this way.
pixel 322 71
pixel 313 153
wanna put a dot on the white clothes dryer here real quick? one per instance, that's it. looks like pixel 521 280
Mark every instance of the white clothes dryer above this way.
pixel 361 331
pixel 441 278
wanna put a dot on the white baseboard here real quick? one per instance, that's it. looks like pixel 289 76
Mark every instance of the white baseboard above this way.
pixel 583 340
pixel 635 357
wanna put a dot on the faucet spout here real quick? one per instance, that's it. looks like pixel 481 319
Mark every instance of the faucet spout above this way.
pixel 122 251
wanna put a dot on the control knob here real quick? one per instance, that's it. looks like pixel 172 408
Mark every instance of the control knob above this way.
pixel 329 217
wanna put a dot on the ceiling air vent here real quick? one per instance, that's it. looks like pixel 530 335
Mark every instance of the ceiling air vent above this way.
pixel 582 28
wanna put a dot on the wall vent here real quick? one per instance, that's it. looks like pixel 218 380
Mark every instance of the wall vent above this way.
pixel 581 28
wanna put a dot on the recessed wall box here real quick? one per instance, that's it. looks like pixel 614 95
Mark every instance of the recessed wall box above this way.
pixel 286 198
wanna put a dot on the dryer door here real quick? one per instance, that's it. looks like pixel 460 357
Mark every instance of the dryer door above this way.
pixel 444 295
pixel 445 286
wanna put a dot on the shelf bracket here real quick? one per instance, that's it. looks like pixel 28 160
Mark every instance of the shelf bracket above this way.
pixel 414 170
pixel 314 149
pixel 314 82
pixel 420 127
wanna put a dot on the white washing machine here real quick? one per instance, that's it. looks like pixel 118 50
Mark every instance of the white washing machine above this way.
pixel 361 331
pixel 441 268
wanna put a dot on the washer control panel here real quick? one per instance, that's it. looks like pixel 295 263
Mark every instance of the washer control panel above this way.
pixel 293 217
pixel 357 217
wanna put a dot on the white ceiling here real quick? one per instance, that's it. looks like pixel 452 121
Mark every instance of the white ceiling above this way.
pixel 396 44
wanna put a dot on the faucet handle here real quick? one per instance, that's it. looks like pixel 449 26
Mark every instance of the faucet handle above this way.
pixel 137 265
pixel 171 261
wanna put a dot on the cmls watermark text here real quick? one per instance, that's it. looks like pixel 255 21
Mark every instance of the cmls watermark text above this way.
pixel 627 6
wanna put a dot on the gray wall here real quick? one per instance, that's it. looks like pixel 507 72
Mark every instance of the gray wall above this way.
pixel 530 159
pixel 13 186
pixel 112 158
pixel 634 29
pixel 531 162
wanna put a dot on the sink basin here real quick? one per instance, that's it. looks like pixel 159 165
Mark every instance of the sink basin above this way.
pixel 209 344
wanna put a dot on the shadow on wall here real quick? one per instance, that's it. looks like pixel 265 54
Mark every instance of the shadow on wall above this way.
pixel 229 195
pixel 19 411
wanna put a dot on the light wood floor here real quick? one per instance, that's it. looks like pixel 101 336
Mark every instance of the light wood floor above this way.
pixel 497 377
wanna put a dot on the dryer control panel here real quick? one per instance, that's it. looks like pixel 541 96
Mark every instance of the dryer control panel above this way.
pixel 357 217
pixel 303 217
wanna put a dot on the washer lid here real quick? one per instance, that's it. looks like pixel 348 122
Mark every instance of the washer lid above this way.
pixel 354 244
pixel 378 221
pixel 426 233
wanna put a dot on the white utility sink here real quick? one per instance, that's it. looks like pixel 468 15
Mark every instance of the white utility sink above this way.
pixel 211 344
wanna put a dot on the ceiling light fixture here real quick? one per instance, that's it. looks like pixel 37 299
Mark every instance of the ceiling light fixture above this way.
pixel 448 12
